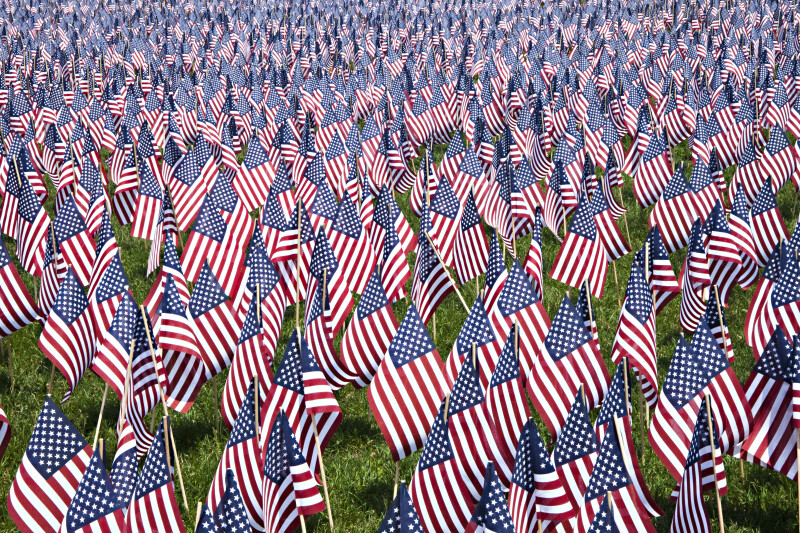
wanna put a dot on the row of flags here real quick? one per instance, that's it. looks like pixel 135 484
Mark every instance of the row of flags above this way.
pixel 179 118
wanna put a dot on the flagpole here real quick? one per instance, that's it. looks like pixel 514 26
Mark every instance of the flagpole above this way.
pixel 616 283
pixel 197 515
pixel 714 462
pixel 396 478
pixel 449 276
pixel 589 306
pixel 100 417
pixel 168 428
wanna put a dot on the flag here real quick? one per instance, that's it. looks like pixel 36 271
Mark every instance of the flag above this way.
pixel 31 229
pixel 695 280
pixel 67 338
pixel 401 515
pixel 289 488
pixel 537 492
pixel 476 334
pixel 432 282
pixel 205 242
pixel 154 507
pixel 17 308
pixel 582 254
pixel 94 506
pixel 570 359
pixel 214 324
pixel 50 472
pixel 760 301
pixel 662 279
pixel 491 513
pixel 496 273
pixel 440 496
pixel 767 223
pixel 228 515
pixel 299 389
pixel 171 266
pixel 114 349
pixel 611 478
pixel 410 374
pixel 704 189
pixel 770 391
pixel 471 251
pixel 778 160
pixel 743 241
pixel 327 274
pixel 370 332
pixel 613 242
pixel 351 246
pixel 723 254
pixel 636 334
pixel 654 171
pixel 190 183
pixel 674 213
pixel 255 176
pixel 534 261
pixel 782 309
pixel 125 467
pixel 241 463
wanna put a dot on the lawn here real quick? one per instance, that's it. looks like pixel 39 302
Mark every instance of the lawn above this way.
pixel 359 467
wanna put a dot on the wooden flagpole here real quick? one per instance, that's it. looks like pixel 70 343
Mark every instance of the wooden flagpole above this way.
pixel 100 416
pixel 591 309
pixel 449 276
pixel 396 478
pixel 714 463
pixel 297 285
pixel 197 515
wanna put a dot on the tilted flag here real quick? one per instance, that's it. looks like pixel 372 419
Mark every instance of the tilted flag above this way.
pixel 289 489
pixel 228 515
pixel 695 281
pixel 49 474
pixel 658 269
pixel 401 515
pixel 723 255
pixel 94 506
pixel 370 332
pixel 570 360
pixel 17 308
pixel 762 294
pixel 351 246
pixel 767 223
pixel 410 374
pixel 68 338
pixel 154 506
pixel 742 236
pixel 534 263
pixel 125 467
pixel 778 161
pixel 241 462
pixel 654 172
pixel 491 513
pixel 475 340
pixel 31 230
pixel 674 213
pixel 471 252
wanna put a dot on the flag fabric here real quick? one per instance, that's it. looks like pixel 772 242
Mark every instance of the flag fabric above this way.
pixel 432 282
pixel 636 334
pixel 654 171
pixel 289 489
pixel 582 255
pixel 351 246
pixel 228 515
pixel 411 374
pixel 440 496
pixel 658 268
pixel 370 332
pixel 5 432
pixel 782 308
pixel 114 350
pixel 694 280
pixel 767 223
pixel 125 467
pixel 94 507
pixel 401 515
pixel 496 273
pixel 537 492
pixel 67 338
pixel 778 160
pixel 17 308
pixel 51 470
pixel 241 463
pixel 762 293
pixel 154 506
pixel 475 340
pixel 570 360
pixel 491 512
pixel 723 255
pixel 328 275
pixel 31 229
pixel 742 236
pixel 674 213
pixel 471 250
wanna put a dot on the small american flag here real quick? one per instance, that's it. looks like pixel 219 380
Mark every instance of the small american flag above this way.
pixel 189 183
pixel 674 213
pixel 437 489
pixel 241 460
pixel 255 176
pixel 767 223
pixel 154 506
pixel 94 506
pixel 401 515
pixel 476 333
pixel 491 513
pixel 48 477
pixel 471 251
pixel 17 308
pixel 761 296
pixel 537 492
pixel 289 487
pixel 228 515
pixel 351 246
pixel 654 172
pixel 125 468
pixel 571 359
pixel 33 223
pixel 695 280
pixel 68 338
pixel 778 160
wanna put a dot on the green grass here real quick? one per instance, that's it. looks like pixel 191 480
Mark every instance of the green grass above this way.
pixel 359 467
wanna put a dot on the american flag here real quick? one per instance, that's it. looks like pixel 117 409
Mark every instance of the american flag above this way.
pixel 370 332
pixel 289 487
pixel 496 273
pixel 760 301
pixel 695 280
pixel 704 189
pixel 125 467
pixel 440 496
pixel 505 397
pixel 205 521
pixel 782 308
pixel 491 512
pixel 582 254
pixel 50 472
pixel 389 217
pixel 770 391
pixel 189 183
pixel 445 210
pixel 471 250
pixel 604 521
pixel 327 273
pixel 183 363
pixel 570 360
pixel 394 268
pixel 241 461
pixel 654 172
pixel 171 266
pixel 68 338
pixel 475 438
pixel 476 334
pixel 74 241
pixel 674 213
pixel 767 223
pixel 411 374
pixel 351 246
pixel 255 176
pixel 299 389
pixel 94 506
pixel 214 324
pixel 17 308
pixel 704 469
pixel 747 177
pixel 614 243
pixel 432 282
pixel 114 349
pixel 229 515
pixel 537 492
pixel 401 515
pixel 154 506
pixel 205 241
pixel 742 236
pixel 32 225
pixel 778 160
pixel 636 334
pixel 612 479
pixel 534 261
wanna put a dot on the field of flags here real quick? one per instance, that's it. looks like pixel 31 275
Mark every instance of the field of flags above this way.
pixel 416 266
